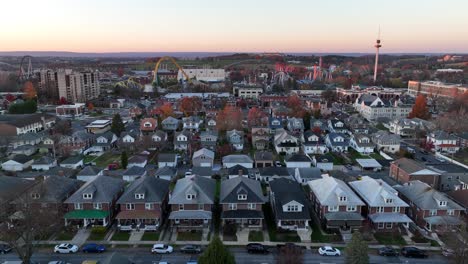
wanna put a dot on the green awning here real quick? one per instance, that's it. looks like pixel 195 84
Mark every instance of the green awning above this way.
pixel 86 214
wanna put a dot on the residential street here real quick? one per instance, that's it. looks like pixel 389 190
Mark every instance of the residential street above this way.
pixel 142 255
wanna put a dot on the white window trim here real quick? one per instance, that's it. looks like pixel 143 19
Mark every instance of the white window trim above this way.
pixel 335 208
pixel 242 197
pixel 149 206
pixel 78 206
pixel 97 206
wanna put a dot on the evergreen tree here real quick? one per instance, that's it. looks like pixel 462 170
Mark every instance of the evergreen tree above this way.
pixel 216 253
pixel 356 250
pixel 117 126
pixel 124 159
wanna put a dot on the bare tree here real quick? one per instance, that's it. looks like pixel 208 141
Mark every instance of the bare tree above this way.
pixel 27 223
pixel 457 242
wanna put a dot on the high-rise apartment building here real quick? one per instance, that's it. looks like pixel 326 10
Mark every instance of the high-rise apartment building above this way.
pixel 74 86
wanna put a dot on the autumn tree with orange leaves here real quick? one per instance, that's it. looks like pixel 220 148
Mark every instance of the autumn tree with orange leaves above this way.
pixel 420 109
pixel 165 110
pixel 295 104
pixel 190 105
pixel 229 118
pixel 29 91
pixel 256 117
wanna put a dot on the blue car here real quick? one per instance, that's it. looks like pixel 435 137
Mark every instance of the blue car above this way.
pixel 93 248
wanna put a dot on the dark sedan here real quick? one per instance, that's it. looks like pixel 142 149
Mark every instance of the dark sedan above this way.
pixel 257 248
pixel 413 252
pixel 388 251
pixel 191 249
pixel 93 248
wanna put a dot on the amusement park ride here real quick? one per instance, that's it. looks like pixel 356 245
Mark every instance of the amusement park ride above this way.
pixel 158 64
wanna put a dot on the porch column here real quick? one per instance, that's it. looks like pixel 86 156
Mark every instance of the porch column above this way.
pixel 85 222
pixel 66 222
pixel 104 223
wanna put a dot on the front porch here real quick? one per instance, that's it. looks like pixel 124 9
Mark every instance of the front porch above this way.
pixel 384 222
pixel 343 220
pixel 442 224
pixel 87 218
pixel 295 224
pixel 251 219
pixel 138 220
pixel 193 219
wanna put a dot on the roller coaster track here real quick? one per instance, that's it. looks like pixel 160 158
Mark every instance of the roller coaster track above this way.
pixel 167 58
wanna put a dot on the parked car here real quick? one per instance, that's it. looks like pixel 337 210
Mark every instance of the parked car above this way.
pixel 388 251
pixel 257 248
pixel 329 251
pixel 191 249
pixel 278 163
pixel 413 252
pixel 423 159
pixel 162 249
pixel 66 248
pixel 4 248
pixel 349 166
pixel 58 262
pixel 93 248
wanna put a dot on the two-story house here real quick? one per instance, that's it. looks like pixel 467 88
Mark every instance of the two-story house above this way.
pixel 361 143
pixel 235 139
pixel 337 142
pixel 260 137
pixel 386 142
pixel 430 208
pixel 286 143
pixel 295 125
pixel 335 204
pixel 48 194
pixel 384 209
pixel 314 143
pixel 337 126
pixel 203 158
pixel 94 203
pixel 104 142
pixel 290 205
pixel 443 142
pixel 148 125
pixel 170 124
pixel 275 123
pixel 181 140
pixel 143 204
pixel 208 139
pixel 242 199
pixel 191 203
pixel 192 123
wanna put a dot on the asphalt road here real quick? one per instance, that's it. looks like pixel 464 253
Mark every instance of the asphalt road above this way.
pixel 142 255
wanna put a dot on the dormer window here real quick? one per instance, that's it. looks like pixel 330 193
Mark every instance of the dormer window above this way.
pixel 190 196
pixel 139 196
pixel 292 208
pixel 242 197
pixel 442 203
pixel 87 196
pixel 343 198
pixel 35 196
pixel 147 124
pixel 388 200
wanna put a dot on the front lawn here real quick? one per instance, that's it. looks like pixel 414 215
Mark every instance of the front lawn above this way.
pixel 318 236
pixel 287 236
pixel 189 236
pixel 96 236
pixel 337 159
pixel 390 239
pixel 121 236
pixel 150 236
pixel 256 236
pixel 65 235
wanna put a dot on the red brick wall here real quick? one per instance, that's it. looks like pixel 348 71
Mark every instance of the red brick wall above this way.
pixel 175 207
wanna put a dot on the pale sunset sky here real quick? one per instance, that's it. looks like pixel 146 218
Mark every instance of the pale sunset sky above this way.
pixel 233 25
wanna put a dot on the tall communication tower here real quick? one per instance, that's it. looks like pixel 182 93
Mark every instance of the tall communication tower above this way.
pixel 377 46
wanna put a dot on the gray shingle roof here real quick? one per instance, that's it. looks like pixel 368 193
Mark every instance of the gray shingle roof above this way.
pixel 203 188
pixel 103 188
pixel 286 191
pixel 154 189
pixel 53 189
pixel 329 189
pixel 89 171
pixel 230 189
pixel 237 159
pixel 11 186
pixel 426 197
pixel 375 192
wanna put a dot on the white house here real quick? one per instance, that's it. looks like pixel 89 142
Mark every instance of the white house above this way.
pixel 386 142
pixel 362 143
pixel 73 162
pixel 44 163
pixel 324 162
pixel 167 160
pixel 18 163
pixel 337 142
pixel 443 142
